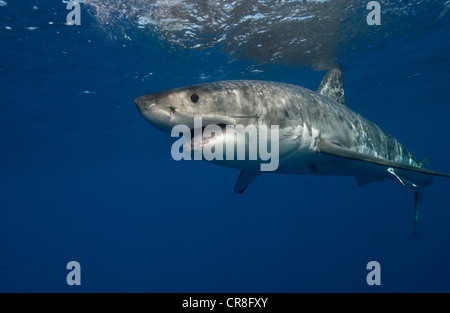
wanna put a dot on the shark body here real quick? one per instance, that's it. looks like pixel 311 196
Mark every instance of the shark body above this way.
pixel 318 133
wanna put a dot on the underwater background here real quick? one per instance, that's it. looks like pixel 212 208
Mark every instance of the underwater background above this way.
pixel 83 177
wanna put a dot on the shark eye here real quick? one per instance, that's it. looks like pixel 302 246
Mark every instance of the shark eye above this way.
pixel 195 98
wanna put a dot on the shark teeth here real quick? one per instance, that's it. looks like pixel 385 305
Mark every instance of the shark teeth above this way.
pixel 196 141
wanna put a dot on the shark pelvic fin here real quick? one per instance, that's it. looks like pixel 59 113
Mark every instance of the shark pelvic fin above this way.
pixel 332 86
pixel 244 180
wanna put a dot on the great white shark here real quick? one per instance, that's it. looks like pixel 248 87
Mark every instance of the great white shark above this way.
pixel 318 133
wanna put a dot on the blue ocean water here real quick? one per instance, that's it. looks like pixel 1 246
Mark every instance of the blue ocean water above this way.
pixel 84 177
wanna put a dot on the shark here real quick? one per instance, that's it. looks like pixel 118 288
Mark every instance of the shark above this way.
pixel 318 133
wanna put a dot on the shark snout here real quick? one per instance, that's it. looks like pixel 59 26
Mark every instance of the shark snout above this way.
pixel 145 104
pixel 159 115
pixel 140 104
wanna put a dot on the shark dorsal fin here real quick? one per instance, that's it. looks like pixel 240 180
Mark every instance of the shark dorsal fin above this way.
pixel 332 86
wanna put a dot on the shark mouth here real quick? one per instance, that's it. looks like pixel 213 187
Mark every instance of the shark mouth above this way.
pixel 198 140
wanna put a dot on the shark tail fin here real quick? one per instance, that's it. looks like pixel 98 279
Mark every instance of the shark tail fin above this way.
pixel 400 171
pixel 417 203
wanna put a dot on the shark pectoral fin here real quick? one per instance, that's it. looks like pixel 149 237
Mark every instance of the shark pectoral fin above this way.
pixel 364 180
pixel 244 180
